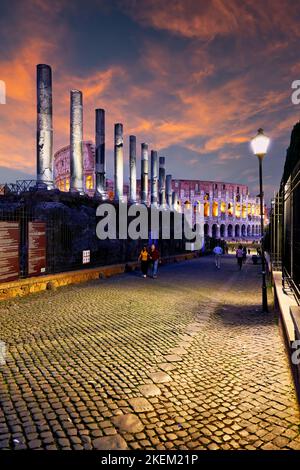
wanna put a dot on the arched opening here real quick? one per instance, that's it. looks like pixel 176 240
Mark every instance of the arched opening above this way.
pixel 244 211
pixel 206 209
pixel 230 209
pixel 237 231
pixel 223 207
pixel 230 231
pixel 214 231
pixel 215 209
pixel 222 231
pixel 238 210
pixel 253 231
pixel 249 231
pixel 206 229
pixel 243 230
pixel 89 184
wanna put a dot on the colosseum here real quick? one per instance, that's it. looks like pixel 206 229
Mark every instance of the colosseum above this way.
pixel 229 210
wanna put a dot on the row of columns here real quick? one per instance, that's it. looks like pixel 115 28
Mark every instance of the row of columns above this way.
pixel 161 184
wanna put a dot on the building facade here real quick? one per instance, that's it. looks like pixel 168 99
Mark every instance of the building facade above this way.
pixel 229 210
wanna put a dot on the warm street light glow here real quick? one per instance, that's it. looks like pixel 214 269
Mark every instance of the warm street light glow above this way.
pixel 260 144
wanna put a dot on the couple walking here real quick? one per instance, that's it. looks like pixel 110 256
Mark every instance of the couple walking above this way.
pixel 149 258
pixel 241 255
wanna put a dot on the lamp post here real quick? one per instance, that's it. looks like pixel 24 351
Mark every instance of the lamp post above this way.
pixel 260 145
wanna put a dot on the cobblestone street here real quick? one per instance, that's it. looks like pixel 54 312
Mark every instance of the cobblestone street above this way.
pixel 187 361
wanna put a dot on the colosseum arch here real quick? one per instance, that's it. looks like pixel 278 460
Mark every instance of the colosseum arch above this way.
pixel 249 231
pixel 222 231
pixel 214 231
pixel 215 209
pixel 230 231
pixel 243 230
pixel 206 229
pixel 253 231
pixel 238 210
pixel 237 231
pixel 223 207
pixel 206 209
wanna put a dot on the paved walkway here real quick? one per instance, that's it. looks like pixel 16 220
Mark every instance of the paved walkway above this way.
pixel 186 361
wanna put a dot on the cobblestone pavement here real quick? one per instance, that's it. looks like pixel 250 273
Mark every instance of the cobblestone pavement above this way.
pixel 186 361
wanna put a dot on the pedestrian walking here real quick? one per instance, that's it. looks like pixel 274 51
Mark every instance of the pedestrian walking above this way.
pixel 218 253
pixel 244 254
pixel 154 260
pixel 239 256
pixel 144 259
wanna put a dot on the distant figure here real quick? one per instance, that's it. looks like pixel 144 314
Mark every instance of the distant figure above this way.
pixel 144 258
pixel 154 259
pixel 249 251
pixel 239 256
pixel 218 253
pixel 244 254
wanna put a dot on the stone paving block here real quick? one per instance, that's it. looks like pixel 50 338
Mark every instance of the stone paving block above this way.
pixel 140 405
pixel 172 358
pixel 167 366
pixel 160 377
pixel 128 423
pixel 110 443
pixel 150 390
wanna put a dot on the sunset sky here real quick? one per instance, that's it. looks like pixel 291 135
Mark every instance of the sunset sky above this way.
pixel 193 78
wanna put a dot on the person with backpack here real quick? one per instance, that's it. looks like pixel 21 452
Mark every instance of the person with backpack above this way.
pixel 144 259
pixel 154 259
pixel 239 256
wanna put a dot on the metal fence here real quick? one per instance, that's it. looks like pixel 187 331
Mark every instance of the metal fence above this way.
pixel 70 229
pixel 285 231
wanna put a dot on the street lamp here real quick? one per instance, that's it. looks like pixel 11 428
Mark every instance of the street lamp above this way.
pixel 259 146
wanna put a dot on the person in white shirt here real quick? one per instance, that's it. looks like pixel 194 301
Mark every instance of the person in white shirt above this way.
pixel 218 253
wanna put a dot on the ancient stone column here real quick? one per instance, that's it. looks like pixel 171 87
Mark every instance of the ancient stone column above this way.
pixel 154 178
pixel 144 174
pixel 132 168
pixel 162 181
pixel 44 133
pixel 118 177
pixel 76 137
pixel 175 200
pixel 100 153
pixel 169 190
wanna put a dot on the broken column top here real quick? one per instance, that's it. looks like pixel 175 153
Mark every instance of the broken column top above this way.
pixel 76 97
